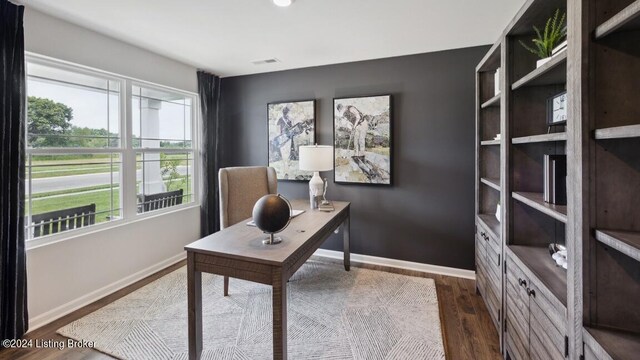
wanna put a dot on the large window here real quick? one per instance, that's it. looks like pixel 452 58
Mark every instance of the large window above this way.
pixel 95 155
pixel 164 153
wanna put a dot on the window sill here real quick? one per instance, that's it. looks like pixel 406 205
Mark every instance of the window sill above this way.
pixel 72 234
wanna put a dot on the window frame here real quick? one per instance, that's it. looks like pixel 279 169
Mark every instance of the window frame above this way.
pixel 126 150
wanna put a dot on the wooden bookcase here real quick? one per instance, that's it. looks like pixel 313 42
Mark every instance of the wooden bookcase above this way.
pixel 606 152
pixel 591 308
pixel 488 183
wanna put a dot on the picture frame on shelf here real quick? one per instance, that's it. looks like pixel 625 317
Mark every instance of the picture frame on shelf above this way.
pixel 290 124
pixel 557 109
pixel 363 140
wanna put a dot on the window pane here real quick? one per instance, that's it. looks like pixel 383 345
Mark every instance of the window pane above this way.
pixel 71 190
pixel 163 180
pixel 68 109
pixel 161 119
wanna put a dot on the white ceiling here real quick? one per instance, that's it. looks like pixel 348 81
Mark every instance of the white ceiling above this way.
pixel 225 36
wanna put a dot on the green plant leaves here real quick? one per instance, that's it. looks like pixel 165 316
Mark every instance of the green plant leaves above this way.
pixel 555 31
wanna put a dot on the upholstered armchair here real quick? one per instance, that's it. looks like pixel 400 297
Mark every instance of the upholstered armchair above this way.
pixel 240 188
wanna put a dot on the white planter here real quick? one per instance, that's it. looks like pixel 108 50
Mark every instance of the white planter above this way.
pixel 556 51
pixel 543 61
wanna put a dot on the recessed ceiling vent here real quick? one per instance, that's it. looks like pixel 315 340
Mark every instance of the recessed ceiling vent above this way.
pixel 265 61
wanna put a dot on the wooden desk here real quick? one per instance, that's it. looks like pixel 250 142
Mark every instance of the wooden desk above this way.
pixel 238 252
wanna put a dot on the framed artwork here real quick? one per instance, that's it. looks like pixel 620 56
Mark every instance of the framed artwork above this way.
pixel 557 109
pixel 363 140
pixel 290 124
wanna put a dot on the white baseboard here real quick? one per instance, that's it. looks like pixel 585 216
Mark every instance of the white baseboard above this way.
pixel 98 294
pixel 400 264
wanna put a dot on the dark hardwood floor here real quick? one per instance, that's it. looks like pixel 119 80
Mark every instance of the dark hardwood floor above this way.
pixel 469 332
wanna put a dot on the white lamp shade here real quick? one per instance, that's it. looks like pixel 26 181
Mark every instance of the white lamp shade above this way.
pixel 316 157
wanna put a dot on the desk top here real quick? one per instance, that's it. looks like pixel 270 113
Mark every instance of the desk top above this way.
pixel 244 242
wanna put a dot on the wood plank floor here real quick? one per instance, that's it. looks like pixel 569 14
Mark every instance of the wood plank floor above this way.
pixel 469 332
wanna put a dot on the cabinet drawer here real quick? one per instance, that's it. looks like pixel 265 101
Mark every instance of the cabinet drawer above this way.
pixel 550 341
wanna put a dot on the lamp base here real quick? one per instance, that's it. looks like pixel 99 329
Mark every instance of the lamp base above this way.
pixel 272 240
pixel 316 188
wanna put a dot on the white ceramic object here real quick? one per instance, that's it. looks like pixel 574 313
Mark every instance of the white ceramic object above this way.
pixel 498 212
pixel 543 61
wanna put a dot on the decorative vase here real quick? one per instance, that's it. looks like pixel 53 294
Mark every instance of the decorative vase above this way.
pixel 498 211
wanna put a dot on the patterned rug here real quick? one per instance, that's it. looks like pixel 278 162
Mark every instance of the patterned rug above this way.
pixel 332 314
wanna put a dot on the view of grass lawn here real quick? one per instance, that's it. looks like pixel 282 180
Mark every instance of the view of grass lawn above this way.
pixel 101 195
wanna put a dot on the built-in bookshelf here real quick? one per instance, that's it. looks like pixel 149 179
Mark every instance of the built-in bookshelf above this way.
pixel 489 90
pixel 606 222
pixel 587 311
pixel 531 224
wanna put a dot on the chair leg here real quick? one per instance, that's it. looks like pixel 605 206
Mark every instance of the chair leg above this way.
pixel 226 286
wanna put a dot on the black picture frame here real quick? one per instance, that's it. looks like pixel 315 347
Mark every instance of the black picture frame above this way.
pixel 377 132
pixel 550 100
pixel 305 127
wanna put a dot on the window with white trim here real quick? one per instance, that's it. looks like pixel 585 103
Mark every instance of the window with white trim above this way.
pixel 103 148
pixel 164 149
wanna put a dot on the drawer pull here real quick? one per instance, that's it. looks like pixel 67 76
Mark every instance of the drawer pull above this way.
pixel 522 283
pixel 531 292
pixel 498 264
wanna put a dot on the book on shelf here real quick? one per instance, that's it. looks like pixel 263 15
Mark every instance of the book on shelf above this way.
pixel 555 179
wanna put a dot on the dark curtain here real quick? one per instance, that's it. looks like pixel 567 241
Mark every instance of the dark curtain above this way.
pixel 209 91
pixel 13 270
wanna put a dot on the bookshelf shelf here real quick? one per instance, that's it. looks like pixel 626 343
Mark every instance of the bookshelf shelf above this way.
pixel 494 101
pixel 561 136
pixel 626 242
pixel 490 142
pixel 553 72
pixel 491 182
pixel 618 132
pixel 614 344
pixel 627 19
pixel 539 262
pixel 536 201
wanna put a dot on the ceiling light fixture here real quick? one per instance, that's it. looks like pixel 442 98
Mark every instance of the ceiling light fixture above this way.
pixel 282 3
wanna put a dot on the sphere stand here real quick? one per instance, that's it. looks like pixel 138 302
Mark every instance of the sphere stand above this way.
pixel 272 240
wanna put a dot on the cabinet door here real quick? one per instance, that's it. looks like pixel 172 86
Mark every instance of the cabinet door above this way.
pixel 517 312
pixel 547 339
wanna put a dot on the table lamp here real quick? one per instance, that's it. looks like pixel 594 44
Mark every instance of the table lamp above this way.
pixel 316 158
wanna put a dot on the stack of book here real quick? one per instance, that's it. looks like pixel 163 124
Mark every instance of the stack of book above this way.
pixel 328 206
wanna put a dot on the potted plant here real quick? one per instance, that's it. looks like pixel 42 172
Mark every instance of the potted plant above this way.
pixel 548 43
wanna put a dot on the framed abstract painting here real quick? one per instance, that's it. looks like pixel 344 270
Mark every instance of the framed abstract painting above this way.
pixel 290 125
pixel 363 140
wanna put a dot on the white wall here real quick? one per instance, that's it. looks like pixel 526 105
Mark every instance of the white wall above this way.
pixel 69 274
pixel 50 36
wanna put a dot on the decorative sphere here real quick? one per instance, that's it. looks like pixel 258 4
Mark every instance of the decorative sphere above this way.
pixel 271 213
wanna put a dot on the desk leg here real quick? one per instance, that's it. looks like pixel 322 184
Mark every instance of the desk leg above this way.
pixel 279 315
pixel 194 289
pixel 346 233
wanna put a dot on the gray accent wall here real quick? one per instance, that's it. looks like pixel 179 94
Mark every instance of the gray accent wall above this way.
pixel 427 215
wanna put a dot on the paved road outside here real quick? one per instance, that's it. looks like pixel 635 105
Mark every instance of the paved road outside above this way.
pixel 80 181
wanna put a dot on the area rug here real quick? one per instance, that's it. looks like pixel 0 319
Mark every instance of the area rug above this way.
pixel 332 314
